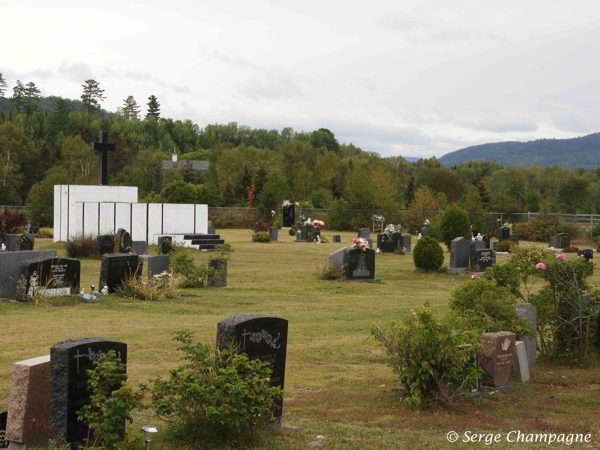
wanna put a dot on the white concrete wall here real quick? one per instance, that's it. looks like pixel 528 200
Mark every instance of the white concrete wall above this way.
pixel 123 216
pixel 107 218
pixel 90 216
pixel 154 221
pixel 138 230
pixel 178 218
pixel 201 219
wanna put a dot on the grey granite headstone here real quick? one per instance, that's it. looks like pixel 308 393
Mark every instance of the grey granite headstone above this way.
pixel 157 264
pixel 117 268
pixel 274 233
pixel 359 265
pixel 406 243
pixel 20 242
pixel 336 259
pixel 260 337
pixel 220 277
pixel 529 312
pixel 564 240
pixel 520 364
pixel 140 247
pixel 553 242
pixel 364 233
pixel 336 238
pixel 10 263
pixel 460 249
pixel 70 361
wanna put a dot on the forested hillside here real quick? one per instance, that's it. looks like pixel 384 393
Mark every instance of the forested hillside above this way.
pixel 258 167
pixel 567 153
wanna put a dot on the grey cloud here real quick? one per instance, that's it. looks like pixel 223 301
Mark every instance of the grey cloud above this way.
pixel 147 77
pixel 271 85
pixel 233 61
pixel 76 72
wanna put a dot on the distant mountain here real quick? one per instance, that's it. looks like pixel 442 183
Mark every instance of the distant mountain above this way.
pixel 567 153
pixel 411 158
pixel 47 104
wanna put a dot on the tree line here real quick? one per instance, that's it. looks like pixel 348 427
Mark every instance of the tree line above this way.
pixel 44 141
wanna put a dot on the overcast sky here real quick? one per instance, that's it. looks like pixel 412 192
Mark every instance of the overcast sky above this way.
pixel 411 78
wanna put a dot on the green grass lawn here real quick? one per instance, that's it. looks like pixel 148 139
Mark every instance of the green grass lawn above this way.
pixel 337 381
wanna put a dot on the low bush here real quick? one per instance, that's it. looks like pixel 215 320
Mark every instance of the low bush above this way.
pixel 214 394
pixel 277 224
pixel 428 255
pixel 11 221
pixel 411 223
pixel 45 233
pixel 538 229
pixel 231 219
pixel 399 251
pixel 328 272
pixel 260 226
pixel 596 231
pixel 83 246
pixel 570 250
pixel 324 240
pixel 261 237
pixel 454 222
pixel 505 246
pixel 195 275
pixel 292 231
pixel 160 287
pixel 430 356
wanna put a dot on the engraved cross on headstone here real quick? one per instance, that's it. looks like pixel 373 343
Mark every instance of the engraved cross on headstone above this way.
pixel 102 147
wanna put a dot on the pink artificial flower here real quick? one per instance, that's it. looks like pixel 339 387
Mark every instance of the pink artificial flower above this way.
pixel 560 256
pixel 540 266
pixel 475 277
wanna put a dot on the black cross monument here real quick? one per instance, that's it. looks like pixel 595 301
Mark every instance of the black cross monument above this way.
pixel 102 147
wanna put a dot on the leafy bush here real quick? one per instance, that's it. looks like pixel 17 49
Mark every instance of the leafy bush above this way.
pixel 214 393
pixel 159 288
pixel 505 276
pixel 454 222
pixel 339 215
pixel 111 403
pixel 539 228
pixel 430 355
pixel 10 220
pixel 292 231
pixel 571 250
pixel 278 224
pixel 488 307
pixel 45 233
pixel 411 223
pixel 261 237
pixel 195 275
pixel 433 232
pixel 83 246
pixel 596 231
pixel 328 272
pixel 231 219
pixel 399 251
pixel 504 246
pixel 260 226
pixel 428 255
pixel 324 240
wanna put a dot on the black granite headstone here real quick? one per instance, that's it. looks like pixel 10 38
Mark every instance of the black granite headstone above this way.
pixel 140 247
pixel 3 421
pixel 504 234
pixel 157 264
pixel 123 242
pixel 165 244
pixel 260 337
pixel 388 243
pixel 69 362
pixel 564 240
pixel 485 258
pixel 486 239
pixel 359 264
pixel 117 268
pixel 289 215
pixel 53 276
pixel 336 238
pixel 105 243
pixel 475 245
pixel 20 242
pixel 587 254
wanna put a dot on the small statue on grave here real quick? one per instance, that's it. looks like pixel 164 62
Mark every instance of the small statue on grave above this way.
pixel 104 290
pixel 32 284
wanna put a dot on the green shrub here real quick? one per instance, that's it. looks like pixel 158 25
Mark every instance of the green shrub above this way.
pixel 428 255
pixel 195 275
pixel 411 223
pixel 324 240
pixel 339 215
pixel 83 246
pixel 454 222
pixel 11 221
pixel 328 272
pixel 278 224
pixel 429 356
pixel 261 236
pixel 596 231
pixel 399 251
pixel 292 231
pixel 160 287
pixel 214 394
pixel 45 233
pixel 505 276
pixel 433 232
pixel 538 229
pixel 111 403
pixel 504 246
pixel 488 307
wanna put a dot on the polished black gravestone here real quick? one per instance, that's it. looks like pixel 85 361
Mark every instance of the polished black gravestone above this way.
pixel 387 243
pixel 157 264
pixel 260 337
pixel 504 234
pixel 3 421
pixel 587 254
pixel 117 268
pixel 105 244
pixel 53 276
pixel 336 238
pixel 69 362
pixel 564 240
pixel 102 147
pixel 486 239
pixel 123 242
pixel 165 244
pixel 289 215
pixel 475 245
pixel 485 258
pixel 359 265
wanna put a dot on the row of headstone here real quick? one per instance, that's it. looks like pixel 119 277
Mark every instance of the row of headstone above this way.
pixel 560 240
pixel 474 254
pixel 49 390
pixel 10 264
pixel 354 264
pixel 120 242
pixel 393 242
pixel 50 276
pixel 303 236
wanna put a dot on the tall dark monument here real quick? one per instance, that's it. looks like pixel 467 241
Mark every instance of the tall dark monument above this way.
pixel 102 148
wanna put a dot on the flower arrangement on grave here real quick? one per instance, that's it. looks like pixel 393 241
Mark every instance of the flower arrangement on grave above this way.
pixel 390 230
pixel 318 223
pixel 308 222
pixel 360 243
pixel 479 237
pixel 426 222
pixel 287 203
pixel 378 218
pixel 508 224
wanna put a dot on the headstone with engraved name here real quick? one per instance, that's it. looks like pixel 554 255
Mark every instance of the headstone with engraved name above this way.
pixel 504 234
pixel 359 265
pixel 495 357
pixel 475 245
pixel 105 244
pixel 117 268
pixel 50 276
pixel 20 242
pixel 387 243
pixel 260 337
pixel 70 360
pixel 460 251
pixel 564 240
pixel 10 263
pixel 336 259
pixel 484 258
pixel 123 242
pixel 289 215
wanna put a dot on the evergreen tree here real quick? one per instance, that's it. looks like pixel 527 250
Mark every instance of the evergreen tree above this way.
pixel 130 108
pixel 2 89
pixel 61 116
pixel 153 107
pixel 92 96
pixel 19 97
pixel 32 97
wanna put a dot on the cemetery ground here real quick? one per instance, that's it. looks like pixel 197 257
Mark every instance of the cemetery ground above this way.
pixel 337 381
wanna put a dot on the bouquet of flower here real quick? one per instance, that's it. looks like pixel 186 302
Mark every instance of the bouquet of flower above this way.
pixel 426 222
pixel 308 222
pixel 391 229
pixel 378 218
pixel 318 223
pixel 360 243
pixel 287 203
